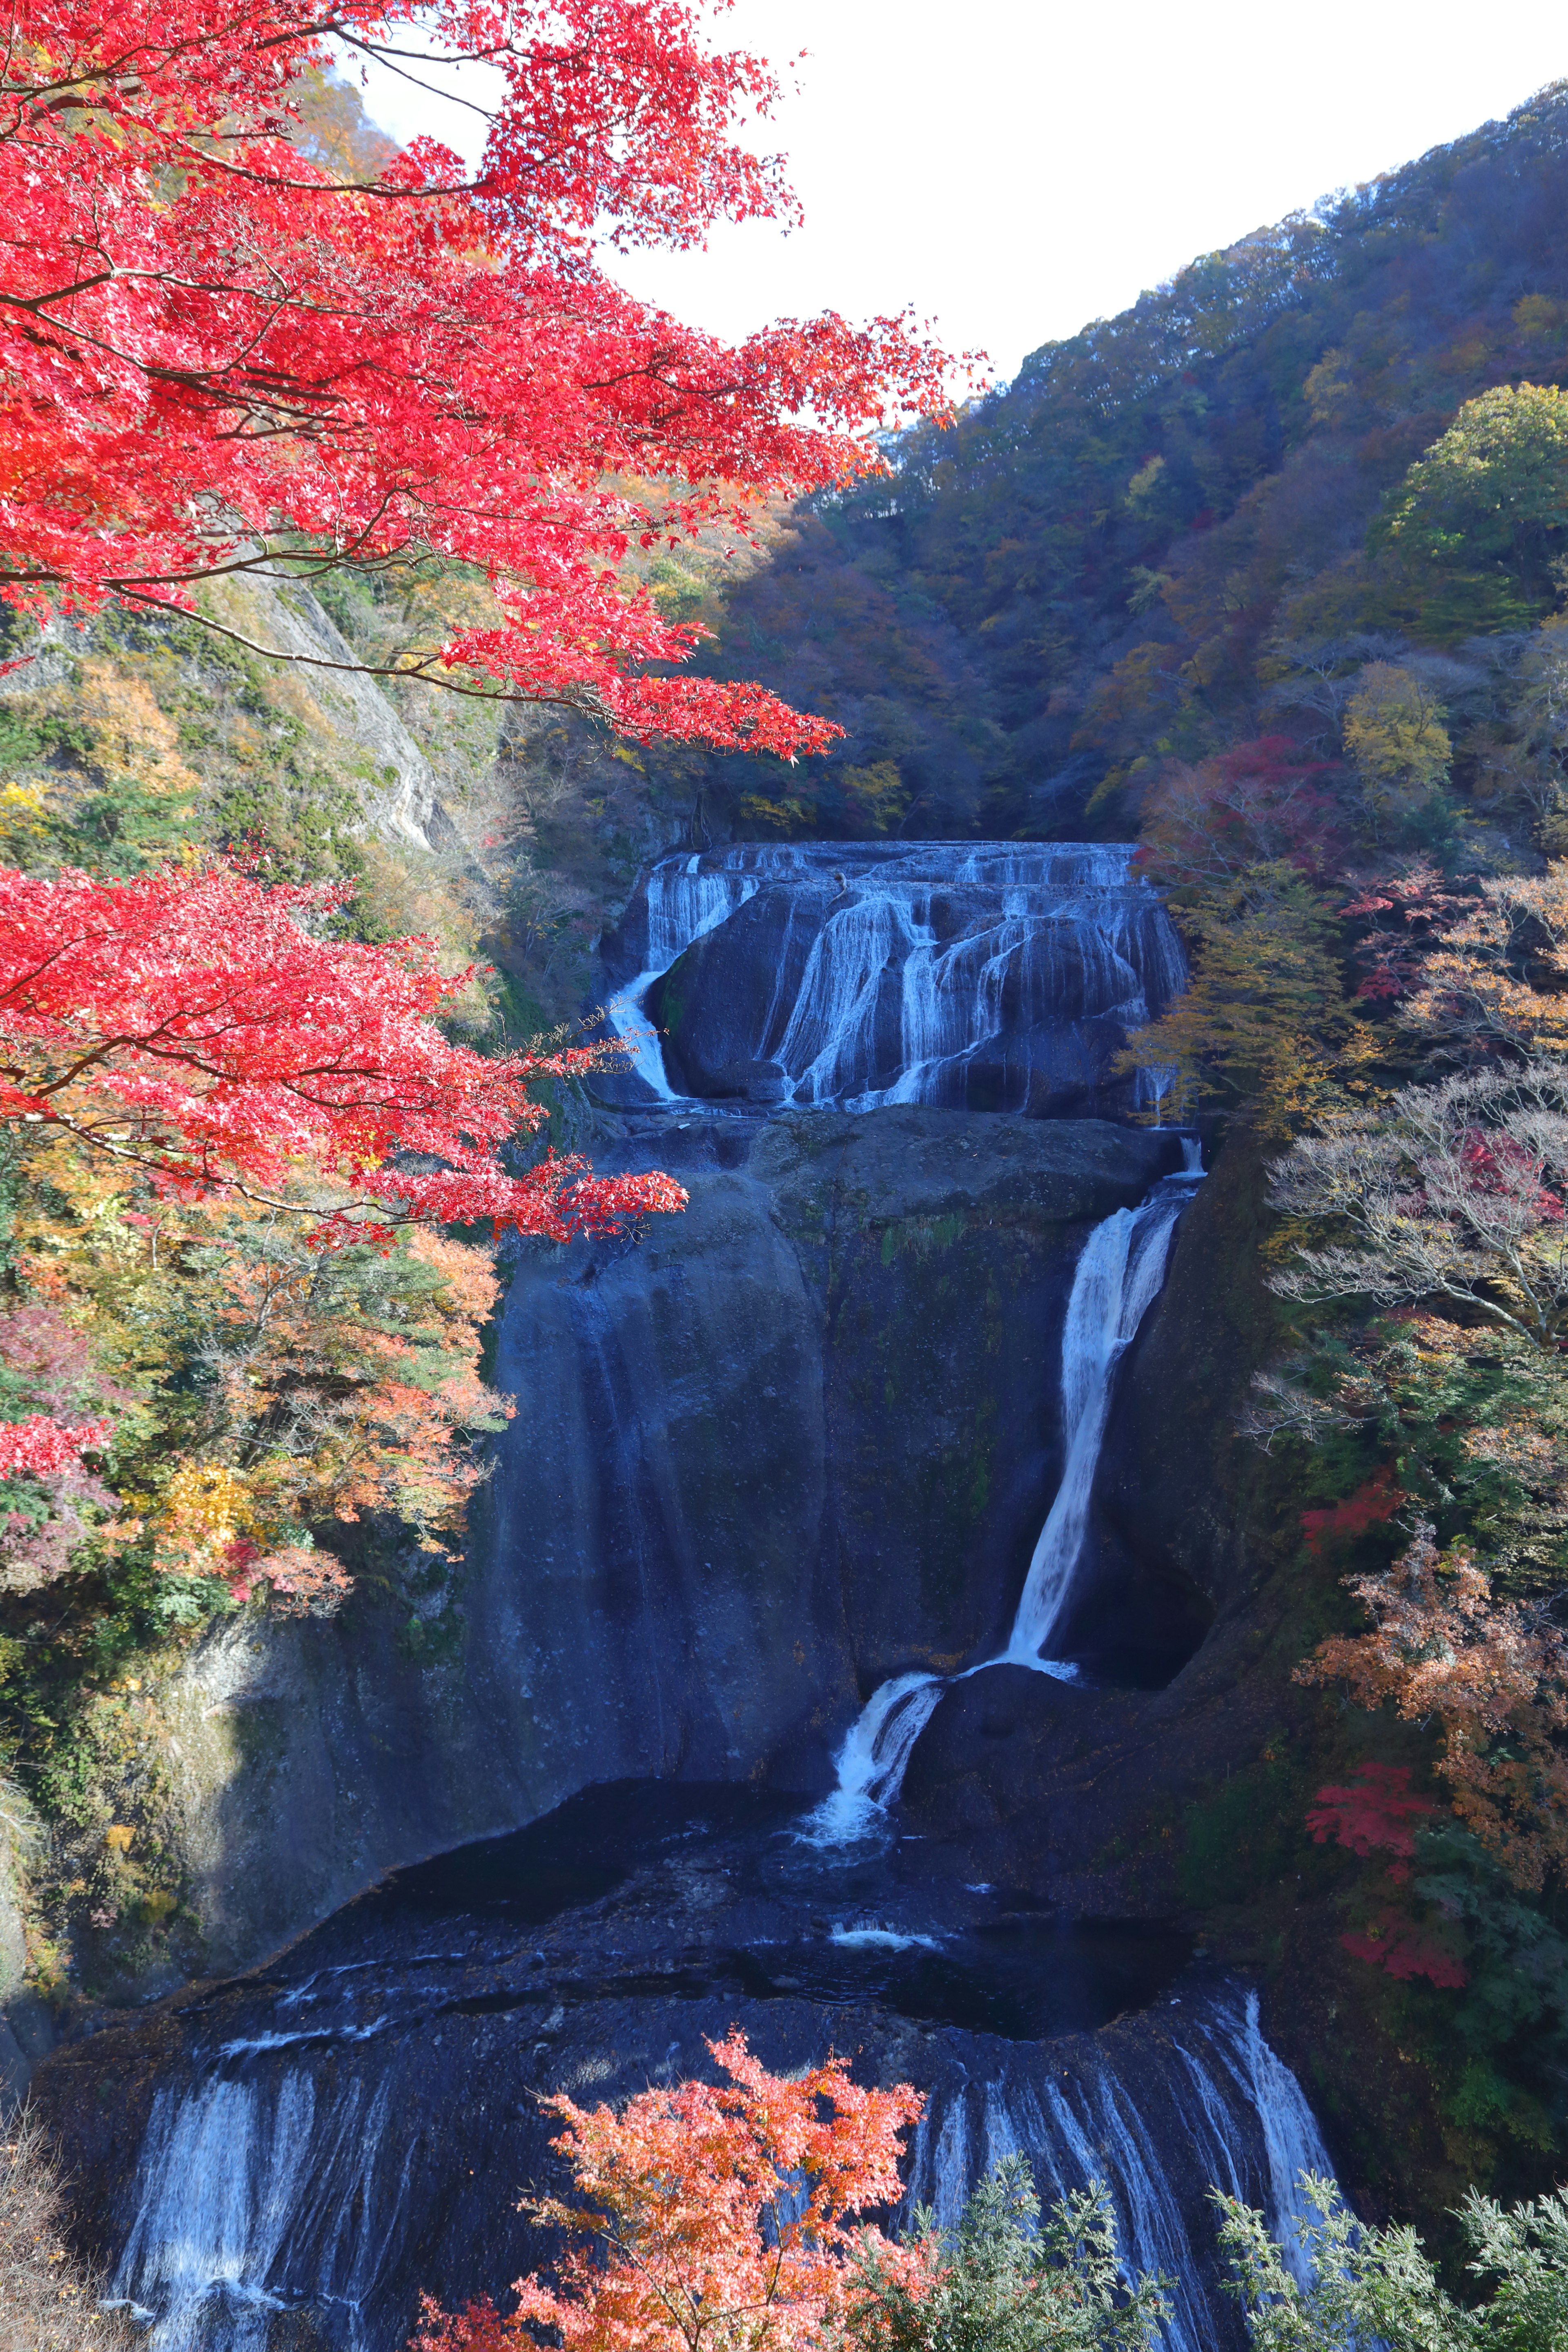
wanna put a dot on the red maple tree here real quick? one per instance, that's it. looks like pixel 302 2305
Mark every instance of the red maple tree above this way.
pixel 1378 1811
pixel 216 353
pixel 1375 1812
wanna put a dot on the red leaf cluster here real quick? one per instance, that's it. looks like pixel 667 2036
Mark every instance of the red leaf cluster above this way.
pixel 1375 1812
pixel 213 348
pixel 45 1446
pixel 187 1022
pixel 1406 1947
pixel 1369 1506
pixel 1257 801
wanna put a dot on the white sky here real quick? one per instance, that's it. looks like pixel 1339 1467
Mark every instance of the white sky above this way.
pixel 1012 170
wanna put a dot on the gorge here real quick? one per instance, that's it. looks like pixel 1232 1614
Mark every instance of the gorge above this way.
pixel 987 1492
pixel 818 1466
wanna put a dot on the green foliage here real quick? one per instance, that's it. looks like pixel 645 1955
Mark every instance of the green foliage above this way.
pixel 1479 522
pixel 1013 2281
pixel 1366 2286
pixel 1396 740
pixel 1243 1837
pixel 1510 2073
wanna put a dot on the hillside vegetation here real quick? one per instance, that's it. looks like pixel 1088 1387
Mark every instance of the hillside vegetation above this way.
pixel 1173 532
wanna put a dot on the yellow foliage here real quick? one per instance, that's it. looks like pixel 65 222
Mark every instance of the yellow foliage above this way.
pixel 1396 737
pixel 130 735
pixel 23 822
pixel 208 1507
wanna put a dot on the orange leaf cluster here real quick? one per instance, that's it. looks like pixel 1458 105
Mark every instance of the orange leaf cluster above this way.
pixel 718 2215
pixel 1494 1677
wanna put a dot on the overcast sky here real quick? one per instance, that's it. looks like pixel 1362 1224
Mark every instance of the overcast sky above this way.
pixel 1012 170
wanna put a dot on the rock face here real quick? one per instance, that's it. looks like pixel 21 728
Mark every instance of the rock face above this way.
pixel 792 1440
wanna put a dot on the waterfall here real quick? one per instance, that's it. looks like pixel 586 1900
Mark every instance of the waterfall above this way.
pixel 685 900
pixel 907 973
pixel 1208 2105
pixel 246 2184
pixel 1117 1276
pixel 873 1757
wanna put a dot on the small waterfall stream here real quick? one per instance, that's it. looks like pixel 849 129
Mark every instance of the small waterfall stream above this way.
pixel 1118 1277
pixel 685 901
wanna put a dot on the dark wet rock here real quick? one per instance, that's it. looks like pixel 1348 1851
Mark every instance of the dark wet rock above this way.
pixel 788 1442
pixel 308 2149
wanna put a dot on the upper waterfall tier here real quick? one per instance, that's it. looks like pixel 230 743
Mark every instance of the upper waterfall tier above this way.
pixel 970 975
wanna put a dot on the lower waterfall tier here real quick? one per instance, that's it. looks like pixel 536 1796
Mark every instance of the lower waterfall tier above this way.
pixel 290 2159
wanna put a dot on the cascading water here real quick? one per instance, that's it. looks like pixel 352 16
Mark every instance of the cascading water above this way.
pixel 685 900
pixel 1215 2110
pixel 240 2178
pixel 352 2124
pixel 997 974
pixel 1117 1280
pixel 1118 1277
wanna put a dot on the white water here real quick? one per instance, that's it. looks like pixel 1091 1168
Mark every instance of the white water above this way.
pixel 1116 1279
pixel 921 957
pixel 1224 2105
pixel 871 1762
pixel 685 900
pixel 238 2176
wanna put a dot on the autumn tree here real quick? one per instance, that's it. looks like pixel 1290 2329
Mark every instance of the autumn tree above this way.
pixel 1208 822
pixel 1492 1676
pixel 1264 1019
pixel 1478 521
pixel 1395 741
pixel 710 2218
pixel 229 349
pixel 1492 982
pixel 723 2218
pixel 1450 1192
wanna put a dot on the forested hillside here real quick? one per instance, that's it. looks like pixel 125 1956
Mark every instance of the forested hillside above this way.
pixel 1172 533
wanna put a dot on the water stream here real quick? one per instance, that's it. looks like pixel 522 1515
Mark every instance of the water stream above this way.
pixel 1118 1277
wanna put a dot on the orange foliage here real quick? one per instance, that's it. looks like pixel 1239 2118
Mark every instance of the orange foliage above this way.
pixel 719 2217
pixel 1493 1675
pixel 1499 976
